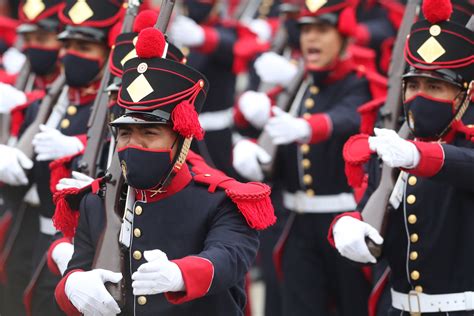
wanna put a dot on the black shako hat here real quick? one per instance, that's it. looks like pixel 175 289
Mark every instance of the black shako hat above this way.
pixel 39 14
pixel 440 45
pixel 338 13
pixel 90 20
pixel 158 90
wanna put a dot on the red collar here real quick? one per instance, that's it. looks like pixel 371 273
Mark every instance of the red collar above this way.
pixel 42 83
pixel 341 70
pixel 83 95
pixel 179 182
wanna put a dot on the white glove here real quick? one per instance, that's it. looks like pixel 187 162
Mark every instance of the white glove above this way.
pixel 61 255
pixel 349 236
pixel 261 28
pixel 394 150
pixel 78 180
pixel 158 275
pixel 247 159
pixel 87 292
pixel 51 144
pixel 13 163
pixel 10 97
pixel 255 107
pixel 185 32
pixel 284 128
pixel 275 69
pixel 13 60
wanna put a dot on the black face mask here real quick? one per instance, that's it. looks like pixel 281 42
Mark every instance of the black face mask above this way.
pixel 293 31
pixel 42 61
pixel 199 11
pixel 428 117
pixel 79 70
pixel 142 168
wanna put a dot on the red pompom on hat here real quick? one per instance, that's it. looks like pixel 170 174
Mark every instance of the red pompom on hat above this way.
pixel 151 43
pixel 145 19
pixel 437 10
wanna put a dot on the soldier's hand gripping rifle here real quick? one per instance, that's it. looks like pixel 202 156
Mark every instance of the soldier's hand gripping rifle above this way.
pixel 108 253
pixel 377 207
pixel 24 82
pixel 284 102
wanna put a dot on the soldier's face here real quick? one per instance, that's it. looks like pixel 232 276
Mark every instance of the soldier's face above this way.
pixel 155 136
pixel 432 87
pixel 43 39
pixel 321 44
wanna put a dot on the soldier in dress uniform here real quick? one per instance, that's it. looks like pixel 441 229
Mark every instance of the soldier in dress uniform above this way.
pixel 220 49
pixel 39 28
pixel 429 235
pixel 190 248
pixel 85 49
pixel 310 167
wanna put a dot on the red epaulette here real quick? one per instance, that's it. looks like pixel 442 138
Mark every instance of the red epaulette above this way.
pixel 18 112
pixel 356 153
pixel 368 114
pixel 252 198
pixel 67 201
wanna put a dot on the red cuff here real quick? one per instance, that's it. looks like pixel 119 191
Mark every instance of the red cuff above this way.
pixel 239 119
pixel 198 274
pixel 53 267
pixel 82 138
pixel 330 237
pixel 62 299
pixel 431 159
pixel 211 39
pixel 362 35
pixel 321 127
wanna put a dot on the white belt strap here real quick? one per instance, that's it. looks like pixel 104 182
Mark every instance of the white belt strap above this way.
pixel 46 226
pixel 415 302
pixel 216 121
pixel 301 203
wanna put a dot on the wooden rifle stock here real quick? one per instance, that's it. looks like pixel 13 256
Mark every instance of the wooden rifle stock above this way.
pixel 377 207
pixel 108 247
pixel 47 104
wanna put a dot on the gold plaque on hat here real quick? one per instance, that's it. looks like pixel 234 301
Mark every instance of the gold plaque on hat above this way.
pixel 130 55
pixel 80 12
pixel 139 88
pixel 431 50
pixel 33 8
pixel 315 5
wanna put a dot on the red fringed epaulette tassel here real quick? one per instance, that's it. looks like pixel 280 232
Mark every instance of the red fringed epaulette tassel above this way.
pixel 67 201
pixel 252 199
pixel 65 219
pixel 356 153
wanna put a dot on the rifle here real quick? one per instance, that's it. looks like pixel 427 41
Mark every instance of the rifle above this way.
pixel 24 82
pixel 376 210
pixel 108 247
pixel 286 98
pixel 97 125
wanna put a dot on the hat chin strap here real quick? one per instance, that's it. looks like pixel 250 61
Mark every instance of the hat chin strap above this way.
pixel 461 110
pixel 179 160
